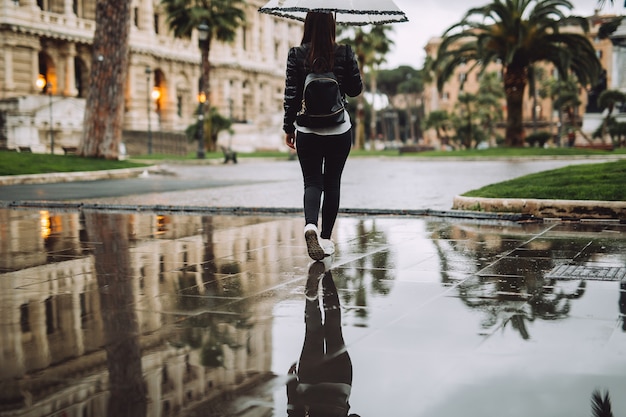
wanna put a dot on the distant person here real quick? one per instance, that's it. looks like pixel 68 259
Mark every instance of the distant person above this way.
pixel 321 383
pixel 322 147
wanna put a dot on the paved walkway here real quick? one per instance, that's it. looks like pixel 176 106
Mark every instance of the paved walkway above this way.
pixel 369 184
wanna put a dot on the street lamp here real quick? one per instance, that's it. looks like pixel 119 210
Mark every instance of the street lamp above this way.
pixel 46 88
pixel 148 72
pixel 200 127
pixel 203 35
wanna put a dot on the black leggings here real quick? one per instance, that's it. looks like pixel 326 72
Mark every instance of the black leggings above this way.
pixel 322 159
pixel 324 356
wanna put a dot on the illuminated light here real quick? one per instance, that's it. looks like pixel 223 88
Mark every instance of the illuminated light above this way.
pixel 45 224
pixel 201 98
pixel 41 82
pixel 156 93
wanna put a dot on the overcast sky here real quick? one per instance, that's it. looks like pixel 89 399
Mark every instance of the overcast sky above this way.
pixel 428 18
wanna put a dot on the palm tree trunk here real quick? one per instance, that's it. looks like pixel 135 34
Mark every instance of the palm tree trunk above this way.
pixel 104 107
pixel 359 140
pixel 373 122
pixel 515 80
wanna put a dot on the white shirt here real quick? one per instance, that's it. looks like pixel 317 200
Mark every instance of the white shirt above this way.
pixel 328 131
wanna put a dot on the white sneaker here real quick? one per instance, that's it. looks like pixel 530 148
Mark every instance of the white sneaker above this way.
pixel 313 246
pixel 328 246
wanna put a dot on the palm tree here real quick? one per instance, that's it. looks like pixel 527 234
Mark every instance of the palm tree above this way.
pixel 223 18
pixel 440 120
pixel 370 48
pixel 516 34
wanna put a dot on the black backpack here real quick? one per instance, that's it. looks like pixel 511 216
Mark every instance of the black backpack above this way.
pixel 322 101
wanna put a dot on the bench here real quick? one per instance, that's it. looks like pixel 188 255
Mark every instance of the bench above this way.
pixel 24 149
pixel 70 150
pixel 229 155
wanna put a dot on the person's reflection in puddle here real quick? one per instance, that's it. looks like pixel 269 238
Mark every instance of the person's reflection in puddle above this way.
pixel 321 383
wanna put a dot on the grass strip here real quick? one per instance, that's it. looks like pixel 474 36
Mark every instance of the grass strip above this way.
pixel 603 181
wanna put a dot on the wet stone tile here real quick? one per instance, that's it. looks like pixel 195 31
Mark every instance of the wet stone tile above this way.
pixel 204 315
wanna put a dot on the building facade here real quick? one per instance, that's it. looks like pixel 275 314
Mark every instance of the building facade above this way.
pixel 45 59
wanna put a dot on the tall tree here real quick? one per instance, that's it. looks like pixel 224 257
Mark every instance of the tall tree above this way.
pixel 518 33
pixel 404 80
pixel 370 48
pixel 223 18
pixel 104 107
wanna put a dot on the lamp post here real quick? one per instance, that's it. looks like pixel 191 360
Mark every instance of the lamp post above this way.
pixel 148 89
pixel 203 35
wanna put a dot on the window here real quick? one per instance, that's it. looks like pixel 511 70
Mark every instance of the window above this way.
pixel 156 23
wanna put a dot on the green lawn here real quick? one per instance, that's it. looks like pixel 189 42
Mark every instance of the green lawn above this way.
pixel 604 181
pixel 18 163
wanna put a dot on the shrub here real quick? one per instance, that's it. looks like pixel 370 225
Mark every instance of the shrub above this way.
pixel 538 139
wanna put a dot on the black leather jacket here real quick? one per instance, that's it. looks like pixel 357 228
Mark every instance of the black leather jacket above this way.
pixel 346 69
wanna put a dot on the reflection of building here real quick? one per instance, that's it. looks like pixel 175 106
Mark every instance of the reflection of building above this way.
pixel 51 40
pixel 466 79
pixel 52 355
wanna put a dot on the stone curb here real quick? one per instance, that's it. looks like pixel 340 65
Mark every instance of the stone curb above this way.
pixel 545 209
pixel 56 177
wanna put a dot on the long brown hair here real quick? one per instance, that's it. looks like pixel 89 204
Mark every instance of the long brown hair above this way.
pixel 319 31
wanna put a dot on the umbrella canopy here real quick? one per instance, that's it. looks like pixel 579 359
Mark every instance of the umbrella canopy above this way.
pixel 347 12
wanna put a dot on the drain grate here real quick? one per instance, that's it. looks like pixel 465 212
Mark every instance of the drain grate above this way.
pixel 593 273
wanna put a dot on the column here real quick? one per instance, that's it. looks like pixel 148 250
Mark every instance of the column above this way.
pixel 8 66
pixel 68 7
pixel 29 4
pixel 34 70
pixel 146 16
pixel 68 56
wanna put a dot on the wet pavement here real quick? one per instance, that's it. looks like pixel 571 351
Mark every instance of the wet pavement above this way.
pixel 121 313
pixel 368 183
pixel 125 312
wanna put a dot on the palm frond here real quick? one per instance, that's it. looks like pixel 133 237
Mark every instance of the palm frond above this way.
pixel 601 406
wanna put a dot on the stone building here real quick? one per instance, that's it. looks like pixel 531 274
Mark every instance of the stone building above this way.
pixel 45 58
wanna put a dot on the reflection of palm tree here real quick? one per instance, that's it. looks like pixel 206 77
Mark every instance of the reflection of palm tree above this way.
pixel 601 406
pixel 121 328
pixel 513 291
pixel 622 303
pixel 376 265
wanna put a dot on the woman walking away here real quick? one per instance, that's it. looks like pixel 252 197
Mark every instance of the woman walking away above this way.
pixel 324 130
